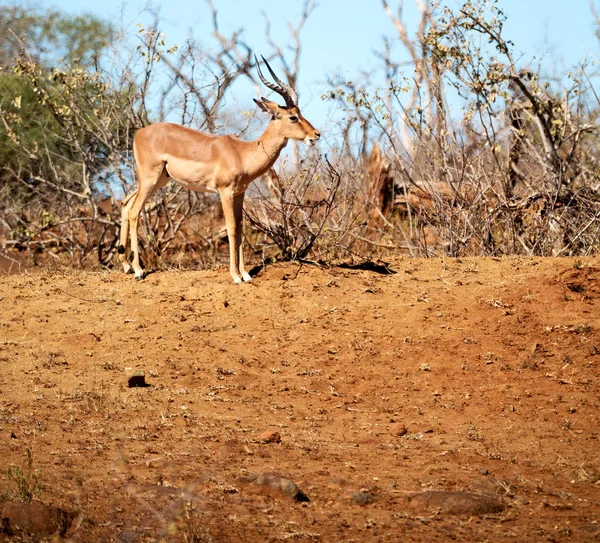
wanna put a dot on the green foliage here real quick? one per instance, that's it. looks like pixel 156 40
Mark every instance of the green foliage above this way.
pixel 468 44
pixel 67 119
pixel 28 129
pixel 54 118
pixel 27 482
pixel 51 36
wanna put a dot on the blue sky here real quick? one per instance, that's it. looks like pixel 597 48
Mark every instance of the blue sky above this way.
pixel 341 35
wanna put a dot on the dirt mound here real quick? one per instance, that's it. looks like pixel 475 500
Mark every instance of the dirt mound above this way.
pixel 361 386
pixel 34 519
pixel 583 281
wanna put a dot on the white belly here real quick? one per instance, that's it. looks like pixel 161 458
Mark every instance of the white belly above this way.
pixel 191 175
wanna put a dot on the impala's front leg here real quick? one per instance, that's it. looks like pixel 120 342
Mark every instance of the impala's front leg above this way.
pixel 238 208
pixel 233 233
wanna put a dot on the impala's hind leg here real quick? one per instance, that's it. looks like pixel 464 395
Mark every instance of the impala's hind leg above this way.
pixel 148 185
pixel 126 206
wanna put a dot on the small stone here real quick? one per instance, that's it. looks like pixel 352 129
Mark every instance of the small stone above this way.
pixel 137 379
pixel 274 482
pixel 270 436
pixel 156 463
pixel 398 429
pixel 362 498
pixel 484 471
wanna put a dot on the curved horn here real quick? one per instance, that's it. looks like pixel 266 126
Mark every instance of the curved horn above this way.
pixel 288 93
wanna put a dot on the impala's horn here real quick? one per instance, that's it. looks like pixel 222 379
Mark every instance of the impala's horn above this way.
pixel 288 93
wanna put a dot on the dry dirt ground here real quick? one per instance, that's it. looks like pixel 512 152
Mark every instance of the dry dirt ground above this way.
pixel 477 377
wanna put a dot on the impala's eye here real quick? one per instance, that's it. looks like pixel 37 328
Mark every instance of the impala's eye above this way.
pixel 294 119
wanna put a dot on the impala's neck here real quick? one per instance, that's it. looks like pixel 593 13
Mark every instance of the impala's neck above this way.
pixel 265 150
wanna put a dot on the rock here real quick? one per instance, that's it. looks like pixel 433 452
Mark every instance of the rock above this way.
pixel 278 483
pixel 34 519
pixel 457 503
pixel 270 436
pixel 137 379
pixel 398 429
pixel 590 529
pixel 362 498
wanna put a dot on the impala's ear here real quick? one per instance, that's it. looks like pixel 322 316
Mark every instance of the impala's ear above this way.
pixel 268 107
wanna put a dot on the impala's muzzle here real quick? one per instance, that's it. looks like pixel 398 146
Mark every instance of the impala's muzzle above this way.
pixel 311 140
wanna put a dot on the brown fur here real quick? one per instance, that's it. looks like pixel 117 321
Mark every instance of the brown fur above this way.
pixel 382 183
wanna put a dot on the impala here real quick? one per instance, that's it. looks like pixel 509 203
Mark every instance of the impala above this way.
pixel 224 165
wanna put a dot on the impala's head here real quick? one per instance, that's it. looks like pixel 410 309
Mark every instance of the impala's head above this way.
pixel 291 122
